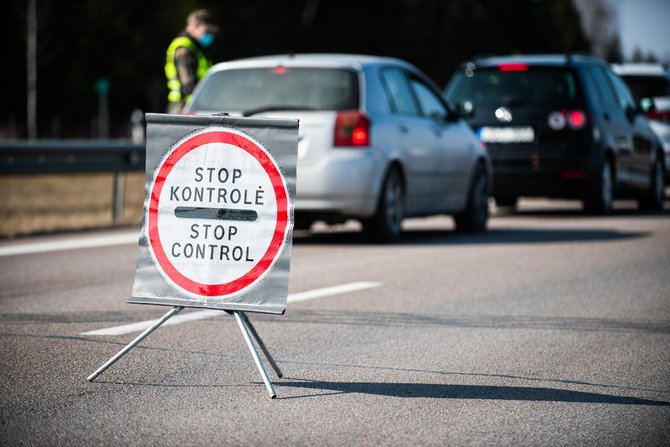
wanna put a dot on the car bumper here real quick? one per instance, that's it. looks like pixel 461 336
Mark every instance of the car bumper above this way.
pixel 344 183
pixel 541 185
pixel 549 171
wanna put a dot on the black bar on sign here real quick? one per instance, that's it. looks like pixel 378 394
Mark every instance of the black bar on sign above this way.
pixel 187 212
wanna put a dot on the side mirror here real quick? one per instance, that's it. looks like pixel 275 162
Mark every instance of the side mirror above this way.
pixel 646 105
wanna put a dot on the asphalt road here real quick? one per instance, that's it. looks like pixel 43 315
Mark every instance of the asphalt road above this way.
pixel 552 328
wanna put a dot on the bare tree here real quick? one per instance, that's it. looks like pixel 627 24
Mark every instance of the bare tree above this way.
pixel 31 68
pixel 599 23
pixel 41 49
pixel 309 13
pixel 640 57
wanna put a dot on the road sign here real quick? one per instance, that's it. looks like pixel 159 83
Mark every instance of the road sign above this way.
pixel 218 217
pixel 218 213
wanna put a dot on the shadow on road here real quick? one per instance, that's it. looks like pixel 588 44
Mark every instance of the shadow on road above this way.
pixel 351 234
pixel 478 392
pixel 404 320
pixel 492 236
pixel 520 236
pixel 558 213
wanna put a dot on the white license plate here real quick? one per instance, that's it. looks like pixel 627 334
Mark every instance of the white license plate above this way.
pixel 524 134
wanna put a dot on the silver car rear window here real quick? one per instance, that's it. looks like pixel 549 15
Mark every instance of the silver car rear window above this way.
pixel 279 87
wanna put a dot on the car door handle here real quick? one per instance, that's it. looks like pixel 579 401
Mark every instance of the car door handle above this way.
pixel 403 128
pixel 606 116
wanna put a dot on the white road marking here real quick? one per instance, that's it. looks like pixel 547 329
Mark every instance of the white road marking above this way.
pixel 330 291
pixel 70 244
pixel 210 313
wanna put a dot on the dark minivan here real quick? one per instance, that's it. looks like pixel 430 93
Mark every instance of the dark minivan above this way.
pixel 560 126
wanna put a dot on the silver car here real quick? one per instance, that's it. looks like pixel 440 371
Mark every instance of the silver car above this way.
pixel 377 142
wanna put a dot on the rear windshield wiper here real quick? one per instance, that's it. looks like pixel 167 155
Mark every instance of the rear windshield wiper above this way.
pixel 276 108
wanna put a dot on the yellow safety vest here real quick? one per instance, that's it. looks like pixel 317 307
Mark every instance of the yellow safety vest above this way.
pixel 173 83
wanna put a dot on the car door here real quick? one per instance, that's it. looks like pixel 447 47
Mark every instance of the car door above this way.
pixel 616 127
pixel 454 153
pixel 637 161
pixel 416 138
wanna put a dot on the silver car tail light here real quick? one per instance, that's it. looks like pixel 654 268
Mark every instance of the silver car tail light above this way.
pixel 352 128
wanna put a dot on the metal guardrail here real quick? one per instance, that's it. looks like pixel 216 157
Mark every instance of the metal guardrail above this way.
pixel 62 156
pixel 75 156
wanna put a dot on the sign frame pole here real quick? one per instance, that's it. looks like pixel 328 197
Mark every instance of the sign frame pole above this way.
pixel 265 350
pixel 174 311
pixel 261 369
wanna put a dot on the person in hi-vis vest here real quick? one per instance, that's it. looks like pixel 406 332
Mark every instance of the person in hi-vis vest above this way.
pixel 185 62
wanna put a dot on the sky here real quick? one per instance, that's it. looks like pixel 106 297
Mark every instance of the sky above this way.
pixel 644 24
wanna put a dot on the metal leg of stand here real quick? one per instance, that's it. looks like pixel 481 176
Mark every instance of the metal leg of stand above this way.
pixel 261 369
pixel 174 311
pixel 262 345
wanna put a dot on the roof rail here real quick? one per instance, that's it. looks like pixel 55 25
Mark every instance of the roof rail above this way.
pixel 570 56
pixel 478 56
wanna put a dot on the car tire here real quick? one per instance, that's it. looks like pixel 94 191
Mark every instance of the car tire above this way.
pixel 506 204
pixel 506 201
pixel 386 224
pixel 653 199
pixel 601 196
pixel 476 214
pixel 302 224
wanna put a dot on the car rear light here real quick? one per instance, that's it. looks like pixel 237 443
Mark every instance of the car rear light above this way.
pixel 513 67
pixel 352 128
pixel 659 115
pixel 280 70
pixel 556 120
pixel 575 119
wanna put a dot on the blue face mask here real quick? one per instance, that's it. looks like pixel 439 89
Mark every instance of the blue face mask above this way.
pixel 206 39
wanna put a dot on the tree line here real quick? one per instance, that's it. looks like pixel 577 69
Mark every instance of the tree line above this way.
pixel 85 45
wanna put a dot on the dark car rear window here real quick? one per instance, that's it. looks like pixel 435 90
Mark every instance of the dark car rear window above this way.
pixel 648 86
pixel 531 86
pixel 294 88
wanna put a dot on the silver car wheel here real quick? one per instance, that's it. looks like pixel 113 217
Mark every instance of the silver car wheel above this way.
pixel 386 224
pixel 480 200
pixel 476 214
pixel 394 202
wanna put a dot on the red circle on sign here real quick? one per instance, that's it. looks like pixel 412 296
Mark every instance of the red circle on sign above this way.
pixel 276 243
